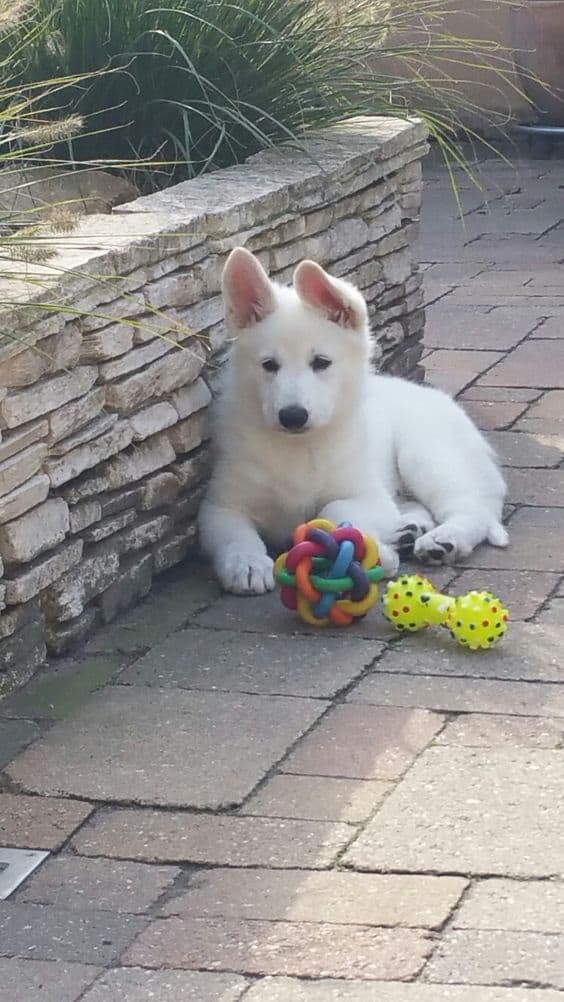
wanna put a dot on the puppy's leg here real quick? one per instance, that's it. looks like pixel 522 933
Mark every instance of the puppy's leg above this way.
pixel 238 553
pixel 457 536
pixel 377 515
pixel 456 478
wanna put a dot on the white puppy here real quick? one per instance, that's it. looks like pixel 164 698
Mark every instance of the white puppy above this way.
pixel 305 428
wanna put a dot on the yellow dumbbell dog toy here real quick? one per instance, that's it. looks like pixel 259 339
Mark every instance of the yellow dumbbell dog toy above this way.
pixel 477 620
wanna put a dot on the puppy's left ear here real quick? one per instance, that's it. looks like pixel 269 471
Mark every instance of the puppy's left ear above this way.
pixel 339 301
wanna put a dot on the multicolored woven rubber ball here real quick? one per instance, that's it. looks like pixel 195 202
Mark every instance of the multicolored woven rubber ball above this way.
pixel 331 573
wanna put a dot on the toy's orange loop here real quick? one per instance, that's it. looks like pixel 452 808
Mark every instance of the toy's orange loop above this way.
pixel 339 616
pixel 304 585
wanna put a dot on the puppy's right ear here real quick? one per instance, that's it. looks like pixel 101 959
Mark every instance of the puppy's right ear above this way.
pixel 247 291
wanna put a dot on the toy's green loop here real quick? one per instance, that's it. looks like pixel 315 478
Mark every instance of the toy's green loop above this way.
pixel 331 585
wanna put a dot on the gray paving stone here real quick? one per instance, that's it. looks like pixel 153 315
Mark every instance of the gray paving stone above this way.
pixel 493 415
pixel 451 326
pixel 497 957
pixel 201 749
pixel 130 984
pixel 553 326
pixel 45 933
pixel 172 837
pixel 317 798
pixel 452 370
pixel 535 487
pixel 45 980
pixel 516 394
pixel 243 662
pixel 63 688
pixel 292 990
pixel 528 652
pixel 482 730
pixel 537 363
pixel 553 615
pixel 83 884
pixel 39 822
pixel 536 542
pixel 306 949
pixel 319 896
pixel 517 448
pixel 519 906
pixel 15 735
pixel 467 810
pixel 364 742
pixel 461 695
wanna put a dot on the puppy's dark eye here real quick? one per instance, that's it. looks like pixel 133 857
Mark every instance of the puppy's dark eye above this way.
pixel 320 363
pixel 270 365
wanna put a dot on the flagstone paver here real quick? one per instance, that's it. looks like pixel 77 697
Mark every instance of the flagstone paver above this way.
pixel 297 948
pixel 496 957
pixel 240 808
pixel 136 985
pixel 171 836
pixel 471 810
pixel 317 798
pixel 15 735
pixel 88 937
pixel 225 742
pixel 319 896
pixel 39 823
pixel 99 884
pixel 482 730
pixel 519 906
pixel 48 980
pixel 231 661
pixel 364 742
pixel 289 990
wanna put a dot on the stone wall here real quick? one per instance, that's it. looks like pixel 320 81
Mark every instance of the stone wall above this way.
pixel 103 401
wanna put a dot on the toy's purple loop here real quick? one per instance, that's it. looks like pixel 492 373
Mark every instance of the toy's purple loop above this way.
pixel 326 540
pixel 361 581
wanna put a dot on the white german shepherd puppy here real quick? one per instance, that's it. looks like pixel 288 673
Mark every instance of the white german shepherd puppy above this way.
pixel 305 428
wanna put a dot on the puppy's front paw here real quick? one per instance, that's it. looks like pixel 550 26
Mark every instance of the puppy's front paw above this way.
pixel 246 573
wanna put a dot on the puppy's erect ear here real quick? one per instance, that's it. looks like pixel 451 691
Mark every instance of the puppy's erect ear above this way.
pixel 337 300
pixel 247 291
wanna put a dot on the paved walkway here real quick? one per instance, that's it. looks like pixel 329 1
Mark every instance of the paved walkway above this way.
pixel 239 809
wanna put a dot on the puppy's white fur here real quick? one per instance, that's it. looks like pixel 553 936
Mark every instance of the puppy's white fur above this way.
pixel 368 439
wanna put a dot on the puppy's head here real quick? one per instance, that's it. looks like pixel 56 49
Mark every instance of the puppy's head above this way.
pixel 300 353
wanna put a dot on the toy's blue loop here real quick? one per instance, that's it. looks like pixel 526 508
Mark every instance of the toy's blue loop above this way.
pixel 340 568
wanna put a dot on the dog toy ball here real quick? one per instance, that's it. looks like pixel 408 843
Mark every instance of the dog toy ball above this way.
pixel 330 574
pixel 477 620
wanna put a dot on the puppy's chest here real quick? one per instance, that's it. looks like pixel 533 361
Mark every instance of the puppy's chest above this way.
pixel 297 490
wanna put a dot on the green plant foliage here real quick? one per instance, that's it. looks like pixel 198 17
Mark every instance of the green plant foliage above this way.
pixel 201 84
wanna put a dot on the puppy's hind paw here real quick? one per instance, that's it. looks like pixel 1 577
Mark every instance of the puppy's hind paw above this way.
pixel 441 547
pixel 403 539
pixel 246 573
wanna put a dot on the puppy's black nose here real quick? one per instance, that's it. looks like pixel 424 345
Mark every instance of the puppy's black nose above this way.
pixel 293 417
